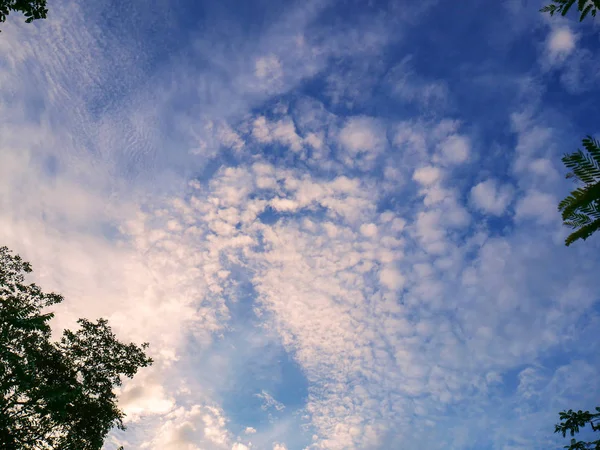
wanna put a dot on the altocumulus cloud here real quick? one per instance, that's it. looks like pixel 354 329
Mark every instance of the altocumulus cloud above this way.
pixel 327 247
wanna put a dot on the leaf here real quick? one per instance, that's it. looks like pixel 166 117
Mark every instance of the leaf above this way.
pixel 583 233
pixel 592 146
pixel 585 12
pixel 582 166
pixel 567 6
pixel 549 8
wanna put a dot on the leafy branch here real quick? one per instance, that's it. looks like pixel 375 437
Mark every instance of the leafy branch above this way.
pixel 572 421
pixel 562 7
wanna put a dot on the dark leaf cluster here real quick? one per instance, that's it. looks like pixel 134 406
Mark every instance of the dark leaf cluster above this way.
pixel 562 7
pixel 571 422
pixel 56 395
pixel 581 209
pixel 31 9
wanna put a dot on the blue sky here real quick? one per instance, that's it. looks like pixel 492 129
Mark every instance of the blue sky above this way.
pixel 334 221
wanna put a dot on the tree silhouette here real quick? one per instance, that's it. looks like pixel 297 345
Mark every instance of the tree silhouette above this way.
pixel 562 7
pixel 55 395
pixel 581 209
pixel 31 9
pixel 571 422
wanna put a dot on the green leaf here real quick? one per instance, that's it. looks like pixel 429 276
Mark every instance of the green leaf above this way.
pixel 583 233
pixel 65 391
pixel 585 12
pixel 567 6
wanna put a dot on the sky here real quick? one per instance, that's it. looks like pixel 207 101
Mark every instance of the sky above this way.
pixel 335 222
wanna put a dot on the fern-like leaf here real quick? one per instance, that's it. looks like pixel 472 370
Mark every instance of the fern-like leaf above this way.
pixel 585 7
pixel 577 220
pixel 582 166
pixel 549 9
pixel 566 6
pixel 583 233
pixel 579 198
pixel 585 12
pixel 592 146
pixel 592 210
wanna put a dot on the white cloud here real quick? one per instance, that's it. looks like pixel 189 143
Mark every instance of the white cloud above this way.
pixel 363 138
pixel 285 131
pixel 490 197
pixel 360 135
pixel 144 398
pixel 269 402
pixel 284 204
pixel 230 138
pixel 430 231
pixel 391 278
pixel 529 382
pixel 455 149
pixel 282 132
pixel 368 229
pixel 268 67
pixel 561 42
pixel 314 140
pixel 195 428
pixel 544 168
pixel 427 175
pixel 578 67
pixel 250 430
pixel 411 138
pixel 538 206
pixel 239 446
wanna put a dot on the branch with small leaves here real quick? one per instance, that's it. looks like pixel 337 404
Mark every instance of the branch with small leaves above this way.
pixel 56 395
pixel 562 7
pixel 581 209
pixel 31 9
pixel 572 421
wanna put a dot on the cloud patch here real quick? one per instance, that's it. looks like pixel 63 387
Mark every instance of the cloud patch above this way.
pixel 491 197
pixel 361 139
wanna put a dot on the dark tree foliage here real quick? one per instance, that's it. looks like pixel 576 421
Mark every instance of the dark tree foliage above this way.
pixel 55 395
pixel 581 209
pixel 562 7
pixel 31 9
pixel 571 422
